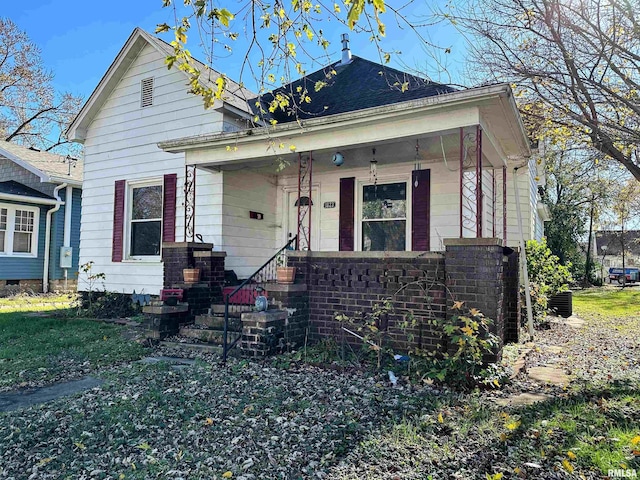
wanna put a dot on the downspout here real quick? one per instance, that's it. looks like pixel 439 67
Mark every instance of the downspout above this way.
pixel 523 255
pixel 47 237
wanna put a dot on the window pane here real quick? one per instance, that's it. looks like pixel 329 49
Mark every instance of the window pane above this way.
pixel 145 238
pixel 147 203
pixel 384 201
pixel 22 242
pixel 3 218
pixel 24 221
pixel 384 236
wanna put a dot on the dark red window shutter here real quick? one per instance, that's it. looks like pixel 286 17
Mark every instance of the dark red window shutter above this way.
pixel 347 197
pixel 169 208
pixel 420 210
pixel 118 221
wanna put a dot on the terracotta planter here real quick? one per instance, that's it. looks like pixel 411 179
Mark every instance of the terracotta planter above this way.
pixel 191 275
pixel 286 275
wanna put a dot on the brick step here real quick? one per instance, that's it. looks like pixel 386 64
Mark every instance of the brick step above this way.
pixel 217 322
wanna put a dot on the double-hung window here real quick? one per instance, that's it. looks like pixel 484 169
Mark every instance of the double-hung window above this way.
pixel 19 230
pixel 145 220
pixel 384 217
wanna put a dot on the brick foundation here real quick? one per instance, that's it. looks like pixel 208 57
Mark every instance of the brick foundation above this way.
pixel 59 285
pixel 29 285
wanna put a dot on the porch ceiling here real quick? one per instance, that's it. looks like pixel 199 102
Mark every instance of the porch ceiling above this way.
pixel 392 130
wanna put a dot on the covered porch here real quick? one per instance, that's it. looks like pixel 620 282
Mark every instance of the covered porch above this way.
pixel 402 177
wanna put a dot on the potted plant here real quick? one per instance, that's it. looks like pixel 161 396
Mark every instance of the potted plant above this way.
pixel 191 275
pixel 284 275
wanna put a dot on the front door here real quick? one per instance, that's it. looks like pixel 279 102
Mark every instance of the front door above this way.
pixel 292 218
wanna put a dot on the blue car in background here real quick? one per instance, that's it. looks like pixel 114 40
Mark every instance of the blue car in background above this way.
pixel 629 275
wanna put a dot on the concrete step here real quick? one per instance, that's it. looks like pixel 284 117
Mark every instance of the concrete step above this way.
pixel 195 347
pixel 206 335
pixel 234 310
pixel 217 322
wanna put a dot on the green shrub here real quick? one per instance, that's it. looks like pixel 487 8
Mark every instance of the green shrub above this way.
pixel 466 340
pixel 547 277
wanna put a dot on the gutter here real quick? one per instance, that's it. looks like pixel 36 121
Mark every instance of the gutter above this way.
pixel 460 98
pixel 22 198
pixel 47 237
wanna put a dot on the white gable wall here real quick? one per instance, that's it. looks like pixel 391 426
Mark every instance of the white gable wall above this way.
pixel 121 144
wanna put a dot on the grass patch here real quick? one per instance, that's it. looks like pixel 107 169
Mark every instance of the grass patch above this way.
pixel 40 349
pixel 32 303
pixel 607 302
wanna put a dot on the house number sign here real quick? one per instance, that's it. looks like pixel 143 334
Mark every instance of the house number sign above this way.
pixel 329 205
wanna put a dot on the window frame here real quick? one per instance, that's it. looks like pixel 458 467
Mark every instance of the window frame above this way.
pixel 128 209
pixel 10 231
pixel 384 180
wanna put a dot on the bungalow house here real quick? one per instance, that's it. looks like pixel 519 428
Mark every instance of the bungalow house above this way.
pixel 380 177
pixel 40 206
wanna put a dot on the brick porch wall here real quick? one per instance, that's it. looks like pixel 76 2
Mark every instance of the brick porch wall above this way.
pixel 353 282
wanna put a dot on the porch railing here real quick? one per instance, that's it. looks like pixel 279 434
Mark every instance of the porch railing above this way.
pixel 242 298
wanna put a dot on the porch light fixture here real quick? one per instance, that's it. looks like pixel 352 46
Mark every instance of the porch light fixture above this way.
pixel 373 167
pixel 338 159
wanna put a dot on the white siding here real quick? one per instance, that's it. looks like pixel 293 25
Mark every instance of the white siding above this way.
pixel 444 200
pixel 121 144
pixel 248 242
pixel 528 201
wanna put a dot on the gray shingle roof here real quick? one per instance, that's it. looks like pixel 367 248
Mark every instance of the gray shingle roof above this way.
pixel 48 163
pixel 358 85
pixel 12 187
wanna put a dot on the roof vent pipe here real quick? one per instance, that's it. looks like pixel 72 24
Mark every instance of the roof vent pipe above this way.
pixel 346 52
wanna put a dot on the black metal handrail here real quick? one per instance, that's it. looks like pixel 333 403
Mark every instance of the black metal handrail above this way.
pixel 242 297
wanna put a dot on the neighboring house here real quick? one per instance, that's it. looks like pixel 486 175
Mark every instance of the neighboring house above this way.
pixel 40 207
pixel 608 249
pixel 400 185
pixel 133 195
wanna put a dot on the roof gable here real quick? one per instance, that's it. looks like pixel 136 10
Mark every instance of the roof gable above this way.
pixel 12 187
pixel 50 167
pixel 235 94
pixel 355 86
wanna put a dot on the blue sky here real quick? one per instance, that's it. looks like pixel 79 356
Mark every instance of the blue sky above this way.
pixel 80 39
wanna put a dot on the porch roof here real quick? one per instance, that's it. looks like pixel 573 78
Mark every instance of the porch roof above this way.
pixel 491 107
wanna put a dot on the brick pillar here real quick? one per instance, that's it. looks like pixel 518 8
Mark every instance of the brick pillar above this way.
pixel 512 316
pixel 295 300
pixel 262 332
pixel 474 275
pixel 179 255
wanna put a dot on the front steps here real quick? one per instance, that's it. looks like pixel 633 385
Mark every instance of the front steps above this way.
pixel 209 328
